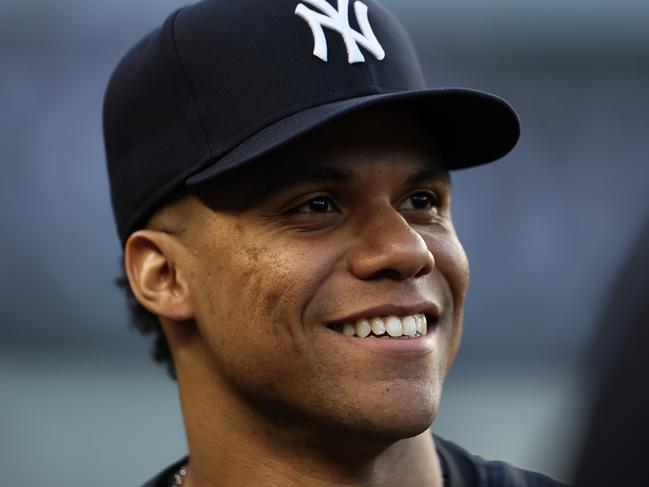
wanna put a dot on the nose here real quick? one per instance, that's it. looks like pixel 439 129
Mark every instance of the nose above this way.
pixel 387 246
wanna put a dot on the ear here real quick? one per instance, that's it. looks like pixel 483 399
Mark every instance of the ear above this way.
pixel 153 262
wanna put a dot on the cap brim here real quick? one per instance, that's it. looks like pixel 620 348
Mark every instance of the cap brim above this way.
pixel 470 127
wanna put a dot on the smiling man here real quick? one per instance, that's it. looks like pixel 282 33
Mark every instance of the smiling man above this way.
pixel 280 181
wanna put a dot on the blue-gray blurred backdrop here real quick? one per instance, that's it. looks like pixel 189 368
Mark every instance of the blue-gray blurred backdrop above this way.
pixel 546 229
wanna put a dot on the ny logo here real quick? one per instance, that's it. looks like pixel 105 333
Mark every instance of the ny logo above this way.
pixel 338 20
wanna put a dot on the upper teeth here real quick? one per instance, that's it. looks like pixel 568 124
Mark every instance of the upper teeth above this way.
pixel 395 326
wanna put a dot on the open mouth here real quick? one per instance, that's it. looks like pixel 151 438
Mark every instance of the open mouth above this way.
pixel 402 327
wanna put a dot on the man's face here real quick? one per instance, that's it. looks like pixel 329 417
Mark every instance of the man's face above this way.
pixel 351 223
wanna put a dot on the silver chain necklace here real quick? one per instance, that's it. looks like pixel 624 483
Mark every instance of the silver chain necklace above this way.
pixel 179 476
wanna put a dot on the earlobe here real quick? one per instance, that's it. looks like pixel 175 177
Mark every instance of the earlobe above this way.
pixel 153 265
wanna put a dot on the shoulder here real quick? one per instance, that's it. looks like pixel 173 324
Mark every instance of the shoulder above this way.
pixel 164 478
pixel 462 469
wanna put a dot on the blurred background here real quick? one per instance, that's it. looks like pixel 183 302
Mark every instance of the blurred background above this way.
pixel 547 230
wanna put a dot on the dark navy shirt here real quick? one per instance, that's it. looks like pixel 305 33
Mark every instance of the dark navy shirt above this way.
pixel 459 468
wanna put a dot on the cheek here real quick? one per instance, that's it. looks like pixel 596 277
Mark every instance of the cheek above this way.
pixel 251 297
pixel 452 262
pixel 459 272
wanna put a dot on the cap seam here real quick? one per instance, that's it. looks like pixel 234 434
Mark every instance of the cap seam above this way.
pixel 213 157
pixel 270 118
pixel 188 81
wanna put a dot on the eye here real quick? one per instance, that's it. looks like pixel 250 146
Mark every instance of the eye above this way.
pixel 421 200
pixel 319 204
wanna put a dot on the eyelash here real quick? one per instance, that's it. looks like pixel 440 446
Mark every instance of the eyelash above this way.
pixel 434 202
pixel 315 198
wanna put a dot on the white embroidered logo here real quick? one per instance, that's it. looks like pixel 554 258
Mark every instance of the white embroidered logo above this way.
pixel 338 20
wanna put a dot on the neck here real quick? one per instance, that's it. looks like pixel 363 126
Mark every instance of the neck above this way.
pixel 234 441
pixel 410 462
pixel 232 444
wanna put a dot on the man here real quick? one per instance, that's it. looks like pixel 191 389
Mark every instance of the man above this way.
pixel 279 177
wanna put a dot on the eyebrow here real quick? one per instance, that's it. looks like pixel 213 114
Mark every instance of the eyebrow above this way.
pixel 318 174
pixel 327 174
pixel 429 173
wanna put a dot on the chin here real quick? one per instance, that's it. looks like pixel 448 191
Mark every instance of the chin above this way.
pixel 399 428
pixel 395 414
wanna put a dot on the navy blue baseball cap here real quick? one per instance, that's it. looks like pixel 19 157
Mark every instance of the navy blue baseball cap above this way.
pixel 223 82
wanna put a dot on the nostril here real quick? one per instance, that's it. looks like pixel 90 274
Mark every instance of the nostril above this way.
pixel 387 274
pixel 423 271
pixel 390 249
pixel 428 264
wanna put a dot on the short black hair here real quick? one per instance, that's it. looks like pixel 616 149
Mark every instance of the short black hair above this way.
pixel 147 323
